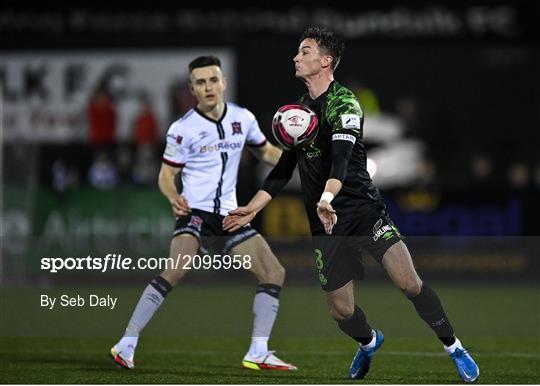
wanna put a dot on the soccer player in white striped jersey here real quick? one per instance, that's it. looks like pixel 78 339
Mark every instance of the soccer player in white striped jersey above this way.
pixel 205 147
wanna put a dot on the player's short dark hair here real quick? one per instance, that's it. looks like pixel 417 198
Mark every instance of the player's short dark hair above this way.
pixel 204 61
pixel 328 41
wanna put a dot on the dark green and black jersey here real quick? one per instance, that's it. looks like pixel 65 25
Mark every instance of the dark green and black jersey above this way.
pixel 337 152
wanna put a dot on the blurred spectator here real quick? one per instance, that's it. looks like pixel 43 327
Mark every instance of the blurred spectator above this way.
pixel 63 177
pixel 146 128
pixel 101 118
pixel 146 167
pixel 481 176
pixel 518 176
pixel 481 167
pixel 103 173
pixel 59 175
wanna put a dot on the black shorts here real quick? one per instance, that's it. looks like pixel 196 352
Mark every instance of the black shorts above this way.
pixel 338 256
pixel 207 228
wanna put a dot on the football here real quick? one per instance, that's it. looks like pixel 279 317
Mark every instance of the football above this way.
pixel 294 126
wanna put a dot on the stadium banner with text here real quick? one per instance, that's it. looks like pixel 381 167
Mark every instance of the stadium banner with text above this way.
pixel 506 21
pixel 45 96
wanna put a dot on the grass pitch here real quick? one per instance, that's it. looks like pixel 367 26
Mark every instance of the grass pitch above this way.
pixel 201 333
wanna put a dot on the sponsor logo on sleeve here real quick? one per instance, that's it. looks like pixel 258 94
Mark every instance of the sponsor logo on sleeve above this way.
pixel 170 150
pixel 344 137
pixel 350 121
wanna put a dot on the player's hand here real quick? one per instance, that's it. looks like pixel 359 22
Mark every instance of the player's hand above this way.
pixel 238 218
pixel 327 215
pixel 180 206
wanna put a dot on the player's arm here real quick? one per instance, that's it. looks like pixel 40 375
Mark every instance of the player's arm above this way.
pixel 274 183
pixel 267 153
pixel 342 146
pixel 244 214
pixel 346 120
pixel 174 159
pixel 166 182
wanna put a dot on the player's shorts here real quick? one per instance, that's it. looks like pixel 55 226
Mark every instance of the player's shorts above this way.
pixel 338 256
pixel 207 228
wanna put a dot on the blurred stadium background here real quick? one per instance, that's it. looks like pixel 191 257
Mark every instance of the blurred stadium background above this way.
pixel 451 94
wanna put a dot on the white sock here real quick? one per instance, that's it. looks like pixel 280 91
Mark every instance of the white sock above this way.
pixel 151 299
pixel 371 344
pixel 259 346
pixel 450 349
pixel 265 309
pixel 127 345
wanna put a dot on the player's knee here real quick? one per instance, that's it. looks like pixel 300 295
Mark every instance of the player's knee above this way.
pixel 275 275
pixel 411 287
pixel 341 310
pixel 280 272
pixel 173 276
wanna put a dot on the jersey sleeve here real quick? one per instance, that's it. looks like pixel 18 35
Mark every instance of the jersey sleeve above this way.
pixel 177 147
pixel 281 173
pixel 345 117
pixel 255 136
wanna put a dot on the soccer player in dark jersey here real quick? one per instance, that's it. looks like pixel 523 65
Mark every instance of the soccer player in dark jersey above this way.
pixel 346 211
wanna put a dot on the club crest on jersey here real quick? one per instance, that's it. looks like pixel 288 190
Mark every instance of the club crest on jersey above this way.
pixel 236 128
pixel 195 222
pixel 179 139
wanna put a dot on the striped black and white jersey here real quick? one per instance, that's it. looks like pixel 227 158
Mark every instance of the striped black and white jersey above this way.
pixel 209 151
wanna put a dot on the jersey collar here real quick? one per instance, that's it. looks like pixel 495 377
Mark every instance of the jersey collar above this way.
pixel 320 97
pixel 210 119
